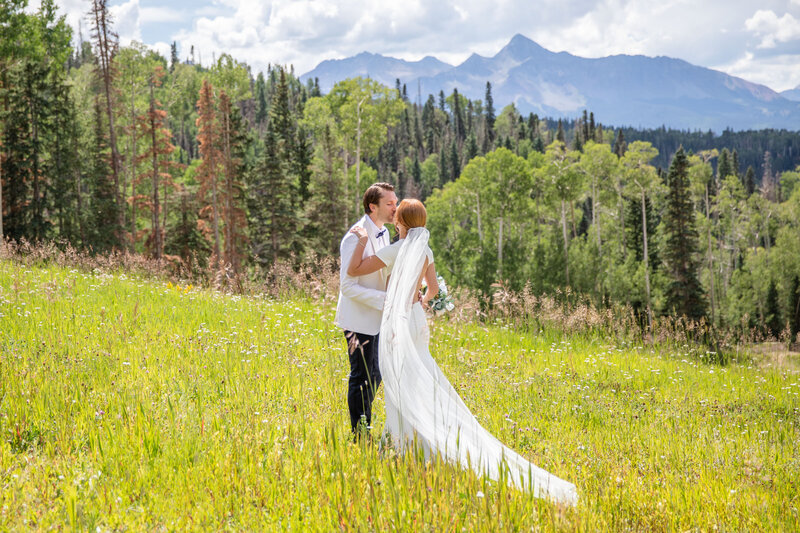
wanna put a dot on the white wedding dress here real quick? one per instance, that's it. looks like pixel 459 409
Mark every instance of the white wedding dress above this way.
pixel 422 406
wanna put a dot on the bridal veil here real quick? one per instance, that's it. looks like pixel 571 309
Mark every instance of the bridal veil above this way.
pixel 422 406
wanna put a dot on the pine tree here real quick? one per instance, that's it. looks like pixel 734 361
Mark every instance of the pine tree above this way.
pixel 635 231
pixel 104 218
pixel 327 204
pixel 38 101
pixel 684 295
pixel 455 162
pixel 768 185
pixel 533 127
pixel 173 56
pixel 577 144
pixel 64 165
pixel 233 204
pixel 560 135
pixel 490 112
pixel 418 143
pixel 749 181
pixel 735 170
pixel 273 219
pixel 261 99
pixel 429 124
pixel 416 173
pixel 620 145
pixel 208 137
pixel 724 168
pixel 585 130
pixel 153 130
pixel 772 313
pixel 472 147
pixel 458 117
pixel 283 128
pixel 444 174
pixel 106 46
pixel 16 143
pixel 183 238
pixel 488 135
pixel 793 311
pixel 302 158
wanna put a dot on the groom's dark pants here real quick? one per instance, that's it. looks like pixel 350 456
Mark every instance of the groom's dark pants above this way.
pixel 365 377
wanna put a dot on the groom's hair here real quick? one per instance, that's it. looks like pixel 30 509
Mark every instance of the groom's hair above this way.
pixel 373 194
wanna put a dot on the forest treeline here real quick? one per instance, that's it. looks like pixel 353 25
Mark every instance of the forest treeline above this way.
pixel 214 167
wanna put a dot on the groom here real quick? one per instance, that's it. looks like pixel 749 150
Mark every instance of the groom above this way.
pixel 361 305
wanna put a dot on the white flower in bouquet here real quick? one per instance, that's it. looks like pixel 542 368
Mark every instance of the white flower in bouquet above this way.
pixel 442 301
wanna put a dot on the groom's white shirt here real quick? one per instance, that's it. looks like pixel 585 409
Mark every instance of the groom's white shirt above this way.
pixel 361 298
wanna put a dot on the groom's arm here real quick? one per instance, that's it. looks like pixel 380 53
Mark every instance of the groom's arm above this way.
pixel 349 285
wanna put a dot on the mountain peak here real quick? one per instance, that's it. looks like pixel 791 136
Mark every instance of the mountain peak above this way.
pixel 521 39
pixel 521 47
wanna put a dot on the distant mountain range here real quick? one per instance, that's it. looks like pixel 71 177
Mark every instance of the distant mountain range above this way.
pixel 792 94
pixel 621 90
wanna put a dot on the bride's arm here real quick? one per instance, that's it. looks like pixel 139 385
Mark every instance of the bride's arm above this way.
pixel 433 283
pixel 359 265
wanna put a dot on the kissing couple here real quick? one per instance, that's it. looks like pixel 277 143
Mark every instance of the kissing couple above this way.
pixel 382 314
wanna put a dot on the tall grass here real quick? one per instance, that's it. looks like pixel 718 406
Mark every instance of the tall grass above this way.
pixel 128 402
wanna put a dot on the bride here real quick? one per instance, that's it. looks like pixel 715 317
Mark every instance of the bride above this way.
pixel 422 406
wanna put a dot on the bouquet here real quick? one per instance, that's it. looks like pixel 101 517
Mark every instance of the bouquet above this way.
pixel 442 301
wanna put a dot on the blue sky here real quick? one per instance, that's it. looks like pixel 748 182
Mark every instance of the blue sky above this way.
pixel 756 40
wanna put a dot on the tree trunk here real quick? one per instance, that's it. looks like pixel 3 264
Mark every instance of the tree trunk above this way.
pixel 156 224
pixel 480 224
pixel 2 238
pixel 105 65
pixel 132 158
pixel 710 260
pixel 358 150
pixel 500 249
pixel 2 126
pixel 226 146
pixel 621 214
pixel 274 235
pixel 79 196
pixel 215 209
pixel 37 210
pixel 346 156
pixel 646 266
pixel 164 211
pixel 596 218
pixel 566 239
pixel 572 219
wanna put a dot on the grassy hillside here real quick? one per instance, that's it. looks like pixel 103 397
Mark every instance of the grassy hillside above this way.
pixel 135 404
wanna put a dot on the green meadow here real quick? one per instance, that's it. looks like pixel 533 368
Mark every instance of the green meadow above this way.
pixel 131 404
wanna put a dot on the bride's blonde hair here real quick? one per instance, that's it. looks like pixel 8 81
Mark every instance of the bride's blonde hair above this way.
pixel 411 214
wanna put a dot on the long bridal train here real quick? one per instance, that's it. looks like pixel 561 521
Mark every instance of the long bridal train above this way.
pixel 421 403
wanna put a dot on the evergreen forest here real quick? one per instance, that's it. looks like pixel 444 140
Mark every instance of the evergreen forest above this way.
pixel 217 168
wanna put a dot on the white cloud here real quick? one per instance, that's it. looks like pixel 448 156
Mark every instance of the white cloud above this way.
pixel 777 72
pixel 305 32
pixel 772 29
pixel 127 22
pixel 159 14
